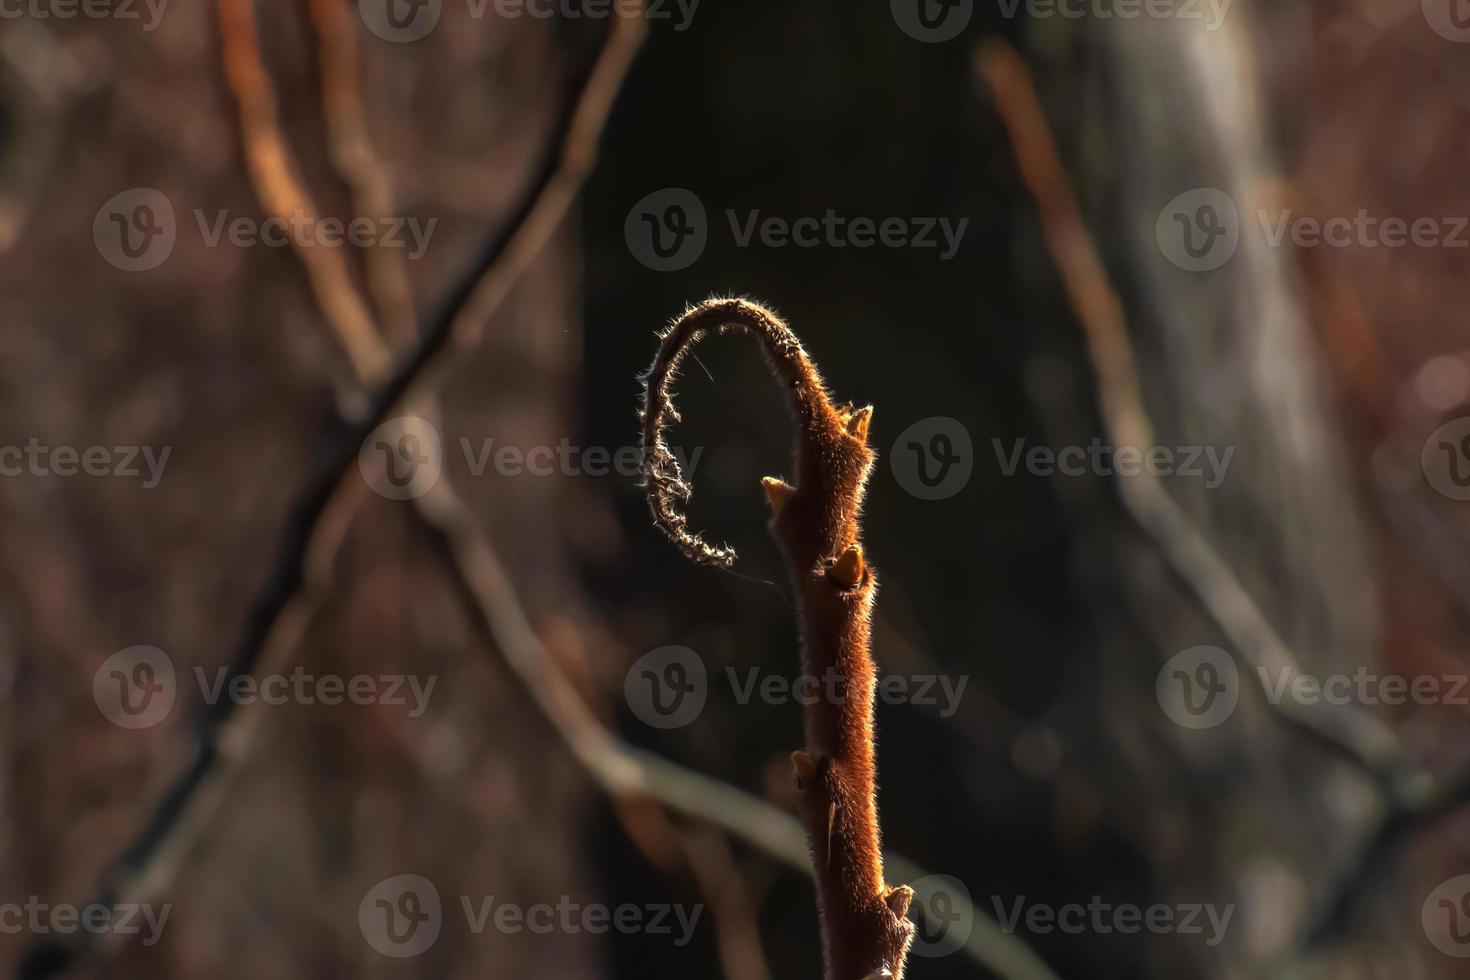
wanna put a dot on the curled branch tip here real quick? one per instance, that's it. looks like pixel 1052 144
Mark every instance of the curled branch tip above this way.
pixel 668 490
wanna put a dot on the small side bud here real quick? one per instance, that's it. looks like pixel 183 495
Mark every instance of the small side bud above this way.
pixel 778 493
pixel 899 898
pixel 858 422
pixel 849 568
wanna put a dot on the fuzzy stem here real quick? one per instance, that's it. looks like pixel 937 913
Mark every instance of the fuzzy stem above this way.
pixel 865 932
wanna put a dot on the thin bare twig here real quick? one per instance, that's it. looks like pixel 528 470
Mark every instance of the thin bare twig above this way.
pixel 1416 798
pixel 358 164
pixel 283 192
pixel 703 853
pixel 495 266
pixel 1358 736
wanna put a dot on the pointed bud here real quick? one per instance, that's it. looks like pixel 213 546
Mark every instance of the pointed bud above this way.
pixel 899 898
pixel 849 569
pixel 778 494
pixel 857 424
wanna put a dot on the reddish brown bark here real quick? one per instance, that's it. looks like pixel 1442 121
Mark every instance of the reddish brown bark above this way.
pixel 865 932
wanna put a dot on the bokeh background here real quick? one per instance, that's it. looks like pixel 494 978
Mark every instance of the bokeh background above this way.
pixel 1333 372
